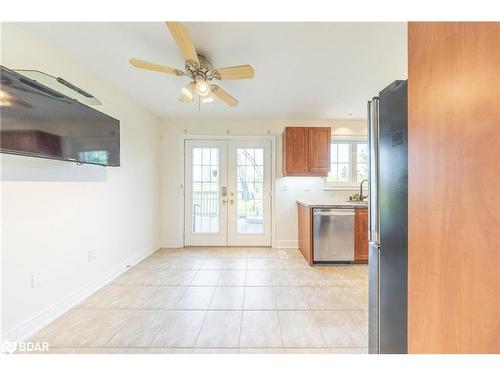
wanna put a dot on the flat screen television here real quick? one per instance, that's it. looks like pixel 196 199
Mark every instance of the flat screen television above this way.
pixel 40 122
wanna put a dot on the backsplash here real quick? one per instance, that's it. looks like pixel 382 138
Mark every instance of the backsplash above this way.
pixel 308 188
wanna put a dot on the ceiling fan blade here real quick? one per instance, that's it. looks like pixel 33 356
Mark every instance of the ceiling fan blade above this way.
pixel 181 36
pixel 187 93
pixel 155 67
pixel 184 99
pixel 224 96
pixel 235 72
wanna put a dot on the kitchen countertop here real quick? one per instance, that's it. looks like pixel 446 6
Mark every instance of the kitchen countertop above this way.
pixel 342 204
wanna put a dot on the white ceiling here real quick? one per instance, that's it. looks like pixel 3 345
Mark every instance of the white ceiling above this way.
pixel 302 70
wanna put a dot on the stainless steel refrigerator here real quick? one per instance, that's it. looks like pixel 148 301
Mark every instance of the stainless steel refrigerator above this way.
pixel 388 224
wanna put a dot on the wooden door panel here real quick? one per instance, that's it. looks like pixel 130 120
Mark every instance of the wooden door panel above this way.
pixel 361 235
pixel 295 151
pixel 319 151
pixel 305 232
pixel 454 185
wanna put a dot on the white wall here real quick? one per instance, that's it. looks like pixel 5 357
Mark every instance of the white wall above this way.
pixel 287 189
pixel 54 212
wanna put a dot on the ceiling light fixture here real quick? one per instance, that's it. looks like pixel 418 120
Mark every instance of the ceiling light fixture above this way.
pixel 202 86
pixel 199 69
pixel 207 99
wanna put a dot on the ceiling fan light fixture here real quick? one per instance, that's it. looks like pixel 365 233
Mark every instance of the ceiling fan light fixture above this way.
pixel 202 86
pixel 197 67
pixel 207 99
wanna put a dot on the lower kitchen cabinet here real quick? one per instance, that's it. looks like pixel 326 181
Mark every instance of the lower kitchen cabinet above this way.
pixel 361 235
pixel 305 232
pixel 306 238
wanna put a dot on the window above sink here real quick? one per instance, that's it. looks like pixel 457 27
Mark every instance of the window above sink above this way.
pixel 348 163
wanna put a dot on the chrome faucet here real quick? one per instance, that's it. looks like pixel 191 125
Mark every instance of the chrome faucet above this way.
pixel 361 196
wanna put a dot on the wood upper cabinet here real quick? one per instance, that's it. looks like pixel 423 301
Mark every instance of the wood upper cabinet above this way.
pixel 295 151
pixel 319 151
pixel 306 151
pixel 361 235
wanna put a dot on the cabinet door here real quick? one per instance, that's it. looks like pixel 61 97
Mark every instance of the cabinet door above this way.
pixel 295 152
pixel 361 235
pixel 305 232
pixel 319 151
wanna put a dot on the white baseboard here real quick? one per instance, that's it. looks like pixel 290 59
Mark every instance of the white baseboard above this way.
pixel 286 244
pixel 280 244
pixel 172 244
pixel 29 327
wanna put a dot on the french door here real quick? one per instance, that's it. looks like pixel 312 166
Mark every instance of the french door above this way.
pixel 227 193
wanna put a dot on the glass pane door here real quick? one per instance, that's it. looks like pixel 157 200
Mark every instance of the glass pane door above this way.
pixel 205 187
pixel 249 209
pixel 227 193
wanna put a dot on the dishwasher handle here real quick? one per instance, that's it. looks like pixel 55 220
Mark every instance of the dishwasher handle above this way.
pixel 334 212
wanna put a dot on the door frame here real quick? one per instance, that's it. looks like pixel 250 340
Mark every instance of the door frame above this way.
pixel 197 137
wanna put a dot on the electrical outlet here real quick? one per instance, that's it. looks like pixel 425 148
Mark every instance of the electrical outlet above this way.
pixel 38 278
pixel 91 256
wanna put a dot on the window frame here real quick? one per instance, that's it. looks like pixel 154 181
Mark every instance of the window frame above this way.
pixel 353 164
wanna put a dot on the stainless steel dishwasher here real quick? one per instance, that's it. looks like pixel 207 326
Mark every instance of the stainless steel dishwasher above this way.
pixel 333 231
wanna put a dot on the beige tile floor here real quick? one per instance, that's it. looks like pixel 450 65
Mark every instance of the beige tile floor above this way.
pixel 220 300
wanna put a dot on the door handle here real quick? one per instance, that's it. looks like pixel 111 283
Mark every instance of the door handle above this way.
pixel 231 201
pixel 224 201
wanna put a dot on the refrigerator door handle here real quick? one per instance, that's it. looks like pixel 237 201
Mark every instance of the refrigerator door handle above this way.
pixel 373 135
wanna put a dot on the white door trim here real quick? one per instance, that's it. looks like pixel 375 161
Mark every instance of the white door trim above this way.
pixel 184 137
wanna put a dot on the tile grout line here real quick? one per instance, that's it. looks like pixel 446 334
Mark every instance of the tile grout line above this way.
pixel 117 330
pixel 199 331
pixel 158 333
pixel 316 322
pixel 181 296
pixel 243 305
pixel 279 322
pixel 204 318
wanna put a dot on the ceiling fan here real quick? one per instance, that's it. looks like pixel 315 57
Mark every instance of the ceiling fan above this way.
pixel 198 69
